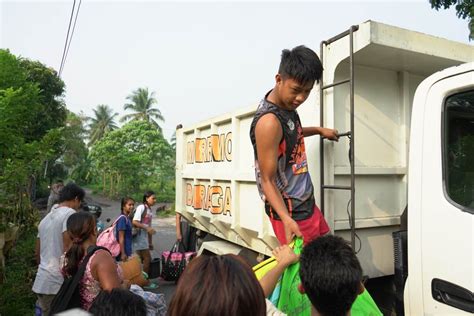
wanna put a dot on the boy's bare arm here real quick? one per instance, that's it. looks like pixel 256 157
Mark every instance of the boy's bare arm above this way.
pixel 329 133
pixel 268 133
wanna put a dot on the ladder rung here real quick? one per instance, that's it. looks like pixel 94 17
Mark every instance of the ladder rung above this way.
pixel 335 84
pixel 345 134
pixel 336 187
pixel 339 36
pixel 348 134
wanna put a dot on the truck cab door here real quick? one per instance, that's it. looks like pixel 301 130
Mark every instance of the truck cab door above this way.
pixel 446 225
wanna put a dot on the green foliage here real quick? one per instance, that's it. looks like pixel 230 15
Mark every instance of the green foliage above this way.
pixel 19 100
pixel 142 104
pixel 132 159
pixel 31 127
pixel 16 297
pixel 52 112
pixel 464 9
pixel 74 150
pixel 102 123
pixel 18 174
pixel 30 92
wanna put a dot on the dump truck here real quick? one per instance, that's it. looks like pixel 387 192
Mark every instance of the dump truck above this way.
pixel 399 184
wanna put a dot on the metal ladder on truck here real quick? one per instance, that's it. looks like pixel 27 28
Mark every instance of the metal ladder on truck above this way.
pixel 350 134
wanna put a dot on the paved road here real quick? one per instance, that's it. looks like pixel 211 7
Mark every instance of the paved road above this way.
pixel 162 240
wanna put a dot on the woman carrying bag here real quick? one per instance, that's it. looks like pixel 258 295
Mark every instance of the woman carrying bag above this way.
pixel 101 272
pixel 142 241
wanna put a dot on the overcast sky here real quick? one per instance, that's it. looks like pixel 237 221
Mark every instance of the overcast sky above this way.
pixel 202 58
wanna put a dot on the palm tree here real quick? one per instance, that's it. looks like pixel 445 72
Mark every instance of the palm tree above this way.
pixel 102 123
pixel 142 105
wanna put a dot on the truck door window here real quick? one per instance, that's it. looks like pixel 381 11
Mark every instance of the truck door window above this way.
pixel 458 164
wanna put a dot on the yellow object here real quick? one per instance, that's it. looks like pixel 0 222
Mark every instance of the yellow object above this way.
pixel 263 267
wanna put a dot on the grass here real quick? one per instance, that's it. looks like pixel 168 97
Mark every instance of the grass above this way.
pixel 167 213
pixel 95 188
pixel 16 297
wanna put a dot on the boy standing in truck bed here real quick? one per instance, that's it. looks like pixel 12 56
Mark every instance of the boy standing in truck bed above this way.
pixel 277 137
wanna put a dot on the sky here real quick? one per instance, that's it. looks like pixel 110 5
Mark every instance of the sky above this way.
pixel 202 59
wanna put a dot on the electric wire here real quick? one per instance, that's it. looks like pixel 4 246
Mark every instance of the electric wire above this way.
pixel 72 33
pixel 350 201
pixel 67 37
pixel 350 226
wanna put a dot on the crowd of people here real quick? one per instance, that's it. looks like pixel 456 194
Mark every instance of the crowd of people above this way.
pixel 66 234
pixel 330 273
pixel 211 285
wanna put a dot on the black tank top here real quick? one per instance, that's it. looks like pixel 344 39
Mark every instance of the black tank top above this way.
pixel 292 179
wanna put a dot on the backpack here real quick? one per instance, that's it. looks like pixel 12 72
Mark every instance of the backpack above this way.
pixel 108 239
pixel 68 296
pixel 136 230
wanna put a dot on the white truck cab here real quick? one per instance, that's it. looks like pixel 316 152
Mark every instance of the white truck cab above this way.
pixel 441 196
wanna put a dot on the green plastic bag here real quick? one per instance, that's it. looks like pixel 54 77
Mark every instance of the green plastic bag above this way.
pixel 364 305
pixel 293 303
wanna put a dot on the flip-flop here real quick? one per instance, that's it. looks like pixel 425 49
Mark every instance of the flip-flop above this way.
pixel 151 286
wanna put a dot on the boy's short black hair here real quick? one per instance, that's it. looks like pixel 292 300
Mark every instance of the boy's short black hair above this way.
pixel 330 274
pixel 71 191
pixel 301 64
pixel 120 302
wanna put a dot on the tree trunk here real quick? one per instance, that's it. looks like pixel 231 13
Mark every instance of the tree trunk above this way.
pixel 103 182
pixel 118 182
pixel 111 190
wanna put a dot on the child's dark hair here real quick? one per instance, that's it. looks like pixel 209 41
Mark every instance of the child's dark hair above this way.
pixel 71 191
pixel 120 302
pixel 146 195
pixel 301 64
pixel 80 226
pixel 124 201
pixel 330 274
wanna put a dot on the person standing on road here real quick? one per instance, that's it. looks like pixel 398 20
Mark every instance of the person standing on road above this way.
pixel 124 229
pixel 142 242
pixel 54 194
pixel 185 233
pixel 53 240
pixel 277 136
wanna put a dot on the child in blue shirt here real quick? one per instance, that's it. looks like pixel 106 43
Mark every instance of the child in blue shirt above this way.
pixel 124 229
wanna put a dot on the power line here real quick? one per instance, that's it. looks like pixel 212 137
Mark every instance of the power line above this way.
pixel 67 37
pixel 72 33
pixel 67 44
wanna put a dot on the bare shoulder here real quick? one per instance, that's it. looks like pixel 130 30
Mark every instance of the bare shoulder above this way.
pixel 268 125
pixel 103 257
